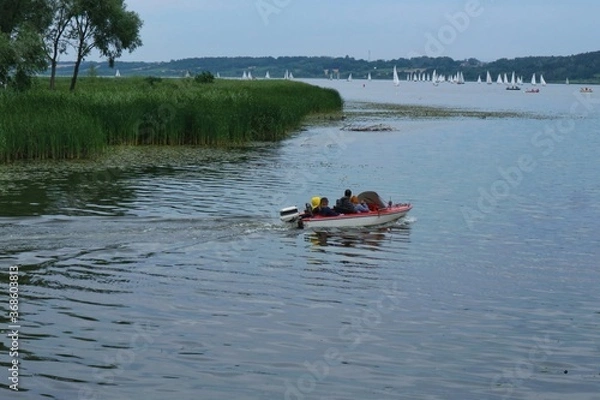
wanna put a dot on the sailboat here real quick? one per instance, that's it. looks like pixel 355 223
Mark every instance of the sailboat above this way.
pixel 117 74
pixel 533 82
pixel 369 76
pixel 396 79
pixel 479 79
pixel 567 81
pixel 349 78
pixel 513 83
pixel 267 75
pixel 499 80
pixel 488 78
pixel 542 81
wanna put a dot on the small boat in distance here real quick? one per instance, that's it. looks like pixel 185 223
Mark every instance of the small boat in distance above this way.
pixel 513 83
pixel 586 90
pixel 536 90
pixel 395 77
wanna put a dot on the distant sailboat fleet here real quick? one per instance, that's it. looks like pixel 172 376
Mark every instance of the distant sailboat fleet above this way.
pixel 514 83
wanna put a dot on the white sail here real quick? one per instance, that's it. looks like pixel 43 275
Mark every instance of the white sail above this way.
pixel 505 79
pixel 369 76
pixel 249 75
pixel 488 78
pixel 267 75
pixel 533 82
pixel 499 80
pixel 567 81
pixel 290 76
pixel 542 81
pixel 286 75
pixel 350 78
pixel 396 79
pixel 117 74
pixel 479 79
pixel 244 75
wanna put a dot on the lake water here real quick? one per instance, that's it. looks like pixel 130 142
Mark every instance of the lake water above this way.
pixel 165 273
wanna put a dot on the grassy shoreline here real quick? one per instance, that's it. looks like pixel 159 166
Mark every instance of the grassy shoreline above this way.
pixel 42 124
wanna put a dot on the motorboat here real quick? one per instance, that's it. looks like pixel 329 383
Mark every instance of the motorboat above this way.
pixel 586 90
pixel 379 213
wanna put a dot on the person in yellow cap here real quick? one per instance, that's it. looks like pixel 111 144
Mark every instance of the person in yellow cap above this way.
pixel 315 201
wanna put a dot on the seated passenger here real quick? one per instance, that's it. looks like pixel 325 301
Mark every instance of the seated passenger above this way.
pixel 344 205
pixel 314 205
pixel 359 206
pixel 324 209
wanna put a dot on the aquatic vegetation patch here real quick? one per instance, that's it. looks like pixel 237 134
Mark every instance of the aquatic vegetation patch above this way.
pixel 43 124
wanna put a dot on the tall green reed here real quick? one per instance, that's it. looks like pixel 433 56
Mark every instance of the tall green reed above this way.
pixel 42 124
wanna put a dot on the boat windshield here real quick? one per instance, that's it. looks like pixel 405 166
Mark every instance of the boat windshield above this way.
pixel 372 199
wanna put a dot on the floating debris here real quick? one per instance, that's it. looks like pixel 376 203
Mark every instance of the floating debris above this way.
pixel 368 128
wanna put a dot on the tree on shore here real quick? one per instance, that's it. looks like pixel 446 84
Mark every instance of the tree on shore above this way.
pixel 22 23
pixel 106 26
pixel 56 34
pixel 35 32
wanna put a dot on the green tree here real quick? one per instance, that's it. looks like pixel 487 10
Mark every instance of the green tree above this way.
pixel 22 51
pixel 106 26
pixel 56 34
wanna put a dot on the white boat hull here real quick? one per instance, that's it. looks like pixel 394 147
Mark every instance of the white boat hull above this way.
pixel 359 220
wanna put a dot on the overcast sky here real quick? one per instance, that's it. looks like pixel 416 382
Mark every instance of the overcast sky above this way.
pixel 375 29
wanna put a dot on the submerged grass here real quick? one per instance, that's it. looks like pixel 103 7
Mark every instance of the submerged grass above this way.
pixel 410 111
pixel 43 124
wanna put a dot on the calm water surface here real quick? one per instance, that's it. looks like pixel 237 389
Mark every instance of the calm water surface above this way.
pixel 165 273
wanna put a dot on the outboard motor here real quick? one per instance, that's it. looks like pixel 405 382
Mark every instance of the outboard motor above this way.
pixel 289 214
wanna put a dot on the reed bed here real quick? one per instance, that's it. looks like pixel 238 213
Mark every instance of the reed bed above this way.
pixel 43 124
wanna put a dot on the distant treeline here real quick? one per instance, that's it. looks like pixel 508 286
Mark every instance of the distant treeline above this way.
pixel 581 68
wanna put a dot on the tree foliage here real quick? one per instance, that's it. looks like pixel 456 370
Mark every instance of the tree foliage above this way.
pixel 35 32
pixel 106 26
pixel 22 23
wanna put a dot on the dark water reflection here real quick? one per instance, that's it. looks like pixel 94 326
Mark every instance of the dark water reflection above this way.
pixel 163 273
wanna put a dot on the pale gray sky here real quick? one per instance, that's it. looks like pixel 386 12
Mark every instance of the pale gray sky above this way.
pixel 381 29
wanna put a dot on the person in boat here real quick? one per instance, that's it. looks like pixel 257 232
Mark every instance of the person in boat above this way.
pixel 344 205
pixel 314 203
pixel 324 209
pixel 359 206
